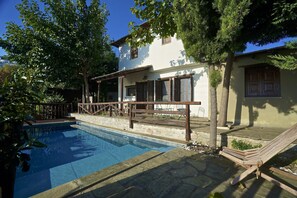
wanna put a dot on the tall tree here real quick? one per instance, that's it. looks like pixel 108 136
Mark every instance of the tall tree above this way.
pixel 66 39
pixel 213 31
pixel 205 28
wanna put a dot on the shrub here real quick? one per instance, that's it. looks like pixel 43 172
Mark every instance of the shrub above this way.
pixel 242 145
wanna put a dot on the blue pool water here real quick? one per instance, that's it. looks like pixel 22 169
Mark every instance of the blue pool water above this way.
pixel 72 153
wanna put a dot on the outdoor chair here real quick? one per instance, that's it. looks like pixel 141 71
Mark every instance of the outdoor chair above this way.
pixel 254 159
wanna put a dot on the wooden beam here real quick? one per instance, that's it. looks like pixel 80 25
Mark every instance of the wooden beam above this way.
pixel 158 111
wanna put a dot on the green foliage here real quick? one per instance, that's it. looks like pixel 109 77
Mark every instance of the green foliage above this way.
pixel 24 87
pixel 216 195
pixel 289 61
pixel 53 98
pixel 215 78
pixel 6 72
pixel 159 16
pixel 284 11
pixel 65 39
pixel 242 145
pixel 17 92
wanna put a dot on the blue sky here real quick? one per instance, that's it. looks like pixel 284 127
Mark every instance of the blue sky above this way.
pixel 117 25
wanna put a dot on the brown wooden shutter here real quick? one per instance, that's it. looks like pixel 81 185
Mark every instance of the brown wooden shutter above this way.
pixel 176 89
pixel 262 81
pixel 150 91
pixel 138 92
pixel 169 90
pixel 158 90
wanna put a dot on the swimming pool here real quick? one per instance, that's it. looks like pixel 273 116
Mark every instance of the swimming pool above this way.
pixel 76 151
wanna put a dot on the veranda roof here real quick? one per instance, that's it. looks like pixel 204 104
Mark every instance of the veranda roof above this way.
pixel 121 73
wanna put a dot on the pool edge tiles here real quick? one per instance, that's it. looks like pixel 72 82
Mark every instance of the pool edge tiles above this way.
pixel 82 125
pixel 55 176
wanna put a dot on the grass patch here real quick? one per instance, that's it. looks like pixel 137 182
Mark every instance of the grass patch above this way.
pixel 242 145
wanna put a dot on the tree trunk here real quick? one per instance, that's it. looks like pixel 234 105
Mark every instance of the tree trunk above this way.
pixel 87 89
pixel 225 91
pixel 7 179
pixel 83 96
pixel 213 115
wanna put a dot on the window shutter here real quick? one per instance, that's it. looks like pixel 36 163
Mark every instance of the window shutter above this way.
pixel 176 89
pixel 169 90
pixel 150 90
pixel 262 81
pixel 158 90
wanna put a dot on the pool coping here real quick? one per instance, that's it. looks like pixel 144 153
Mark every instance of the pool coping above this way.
pixel 168 141
pixel 50 123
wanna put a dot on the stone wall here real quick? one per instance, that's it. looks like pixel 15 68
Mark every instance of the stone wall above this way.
pixel 159 131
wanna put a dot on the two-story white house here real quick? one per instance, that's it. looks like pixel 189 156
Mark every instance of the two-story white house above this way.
pixel 160 71
pixel 260 94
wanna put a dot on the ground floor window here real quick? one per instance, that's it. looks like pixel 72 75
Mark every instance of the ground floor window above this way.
pixel 131 90
pixel 183 89
pixel 262 81
pixel 163 90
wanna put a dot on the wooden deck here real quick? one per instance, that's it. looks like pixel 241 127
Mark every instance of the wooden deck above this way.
pixel 145 112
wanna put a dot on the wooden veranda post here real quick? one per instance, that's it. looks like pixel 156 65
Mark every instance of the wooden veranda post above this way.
pixel 121 92
pixel 130 111
pixel 188 127
pixel 98 91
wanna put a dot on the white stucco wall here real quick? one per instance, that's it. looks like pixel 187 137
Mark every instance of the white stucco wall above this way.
pixel 156 54
pixel 168 60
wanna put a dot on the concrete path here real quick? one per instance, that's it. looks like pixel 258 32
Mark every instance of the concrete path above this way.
pixel 177 173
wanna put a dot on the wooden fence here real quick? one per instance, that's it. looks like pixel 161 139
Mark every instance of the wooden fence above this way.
pixel 145 112
pixel 49 111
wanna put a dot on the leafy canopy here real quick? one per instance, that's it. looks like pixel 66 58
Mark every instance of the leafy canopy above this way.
pixel 211 29
pixel 65 39
pixel 284 13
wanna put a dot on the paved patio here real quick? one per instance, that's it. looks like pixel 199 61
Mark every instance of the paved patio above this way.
pixel 177 173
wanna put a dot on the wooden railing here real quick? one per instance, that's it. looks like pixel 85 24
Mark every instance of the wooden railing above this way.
pixel 104 108
pixel 49 111
pixel 145 112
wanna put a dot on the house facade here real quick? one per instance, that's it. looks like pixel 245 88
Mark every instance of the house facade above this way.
pixel 167 75
pixel 261 94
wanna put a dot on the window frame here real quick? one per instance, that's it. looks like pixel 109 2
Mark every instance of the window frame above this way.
pixel 128 90
pixel 159 89
pixel 177 88
pixel 262 71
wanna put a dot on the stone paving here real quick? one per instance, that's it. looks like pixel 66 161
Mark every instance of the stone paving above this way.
pixel 177 173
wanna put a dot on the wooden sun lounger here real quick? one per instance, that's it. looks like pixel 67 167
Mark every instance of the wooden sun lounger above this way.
pixel 253 159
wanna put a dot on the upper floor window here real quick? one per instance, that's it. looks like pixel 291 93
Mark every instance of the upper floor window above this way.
pixel 166 40
pixel 262 81
pixel 134 52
